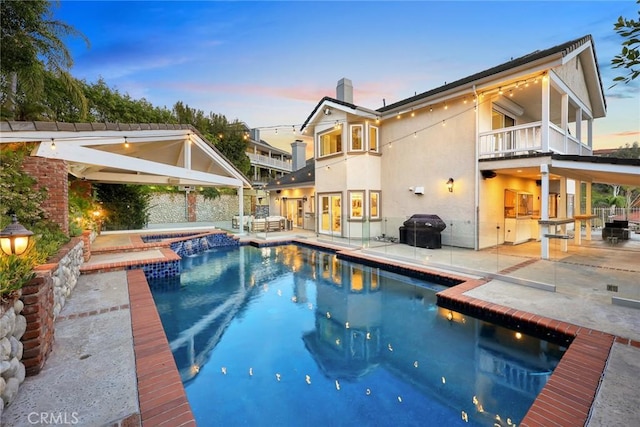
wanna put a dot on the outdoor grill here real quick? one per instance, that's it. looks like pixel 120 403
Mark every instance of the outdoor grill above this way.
pixel 423 230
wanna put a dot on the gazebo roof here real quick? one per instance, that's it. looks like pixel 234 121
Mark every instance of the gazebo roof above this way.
pixel 161 154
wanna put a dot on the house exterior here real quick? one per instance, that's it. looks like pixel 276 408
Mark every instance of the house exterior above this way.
pixel 267 162
pixel 502 156
pixel 292 196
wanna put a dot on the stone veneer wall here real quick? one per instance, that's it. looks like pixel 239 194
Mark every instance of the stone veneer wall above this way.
pixel 172 208
pixel 12 372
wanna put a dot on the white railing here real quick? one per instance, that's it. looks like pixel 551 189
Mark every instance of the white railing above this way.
pixel 521 139
pixel 527 139
pixel 261 160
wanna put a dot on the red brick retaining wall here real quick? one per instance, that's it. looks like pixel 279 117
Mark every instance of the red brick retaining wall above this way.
pixel 38 311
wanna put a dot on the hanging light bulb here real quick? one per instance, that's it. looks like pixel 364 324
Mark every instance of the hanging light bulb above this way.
pixel 510 93
pixel 500 91
pixel 126 143
pixel 276 131
pixel 446 106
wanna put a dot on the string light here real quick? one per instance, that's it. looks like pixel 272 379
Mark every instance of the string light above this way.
pixel 53 145
pixel 126 143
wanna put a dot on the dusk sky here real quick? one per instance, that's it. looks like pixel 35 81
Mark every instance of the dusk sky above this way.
pixel 269 63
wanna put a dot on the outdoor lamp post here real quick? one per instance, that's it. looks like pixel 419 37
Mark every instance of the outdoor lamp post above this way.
pixel 14 238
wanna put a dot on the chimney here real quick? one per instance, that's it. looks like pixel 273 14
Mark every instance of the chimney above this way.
pixel 344 91
pixel 255 134
pixel 298 154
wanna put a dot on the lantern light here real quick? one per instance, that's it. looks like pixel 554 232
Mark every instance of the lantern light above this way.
pixel 14 238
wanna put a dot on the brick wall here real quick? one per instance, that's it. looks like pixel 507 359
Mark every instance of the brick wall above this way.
pixel 191 206
pixel 38 311
pixel 52 175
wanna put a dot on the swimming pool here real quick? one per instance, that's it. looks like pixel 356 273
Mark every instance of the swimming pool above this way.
pixel 290 335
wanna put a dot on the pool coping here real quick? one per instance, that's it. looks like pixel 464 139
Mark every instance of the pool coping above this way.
pixel 566 399
pixel 161 395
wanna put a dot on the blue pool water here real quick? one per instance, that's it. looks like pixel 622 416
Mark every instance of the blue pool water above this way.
pixel 293 336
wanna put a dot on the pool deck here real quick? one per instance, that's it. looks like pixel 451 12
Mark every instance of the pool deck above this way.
pixel 111 364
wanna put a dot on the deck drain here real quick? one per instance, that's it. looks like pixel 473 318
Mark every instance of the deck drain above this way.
pixel 84 356
pixel 612 288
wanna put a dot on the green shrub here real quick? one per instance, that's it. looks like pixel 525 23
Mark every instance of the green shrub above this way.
pixel 125 207
pixel 18 194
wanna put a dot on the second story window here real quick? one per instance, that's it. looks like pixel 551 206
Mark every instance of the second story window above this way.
pixel 330 142
pixel 356 138
pixel 373 139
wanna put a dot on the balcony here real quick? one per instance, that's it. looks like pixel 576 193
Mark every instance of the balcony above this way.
pixel 269 162
pixel 528 139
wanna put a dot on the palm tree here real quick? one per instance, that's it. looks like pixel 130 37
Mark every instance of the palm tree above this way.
pixel 31 47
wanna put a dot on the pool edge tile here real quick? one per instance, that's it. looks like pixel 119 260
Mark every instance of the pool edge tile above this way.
pixel 154 408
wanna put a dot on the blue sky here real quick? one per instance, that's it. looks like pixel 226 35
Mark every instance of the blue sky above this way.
pixel 269 63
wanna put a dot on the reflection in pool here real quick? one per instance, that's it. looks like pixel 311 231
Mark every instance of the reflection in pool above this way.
pixel 290 336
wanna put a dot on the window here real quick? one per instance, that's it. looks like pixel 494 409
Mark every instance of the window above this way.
pixel 374 205
pixel 373 138
pixel 330 142
pixel 356 138
pixel 356 203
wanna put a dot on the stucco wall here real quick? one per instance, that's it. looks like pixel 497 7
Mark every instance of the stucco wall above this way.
pixel 424 153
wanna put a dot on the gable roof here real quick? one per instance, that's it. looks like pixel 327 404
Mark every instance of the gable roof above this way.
pixel 560 52
pixel 162 154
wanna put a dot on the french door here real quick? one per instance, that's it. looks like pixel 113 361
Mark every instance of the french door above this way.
pixel 330 214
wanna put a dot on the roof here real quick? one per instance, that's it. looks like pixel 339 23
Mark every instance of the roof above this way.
pixel 605 170
pixel 561 50
pixel 163 154
pixel 594 169
pixel 303 177
pixel 323 101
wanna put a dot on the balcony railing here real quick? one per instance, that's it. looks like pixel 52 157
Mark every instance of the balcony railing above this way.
pixel 527 139
pixel 258 159
pixel 511 141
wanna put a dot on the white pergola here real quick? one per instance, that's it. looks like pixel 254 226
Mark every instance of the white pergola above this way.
pixel 172 156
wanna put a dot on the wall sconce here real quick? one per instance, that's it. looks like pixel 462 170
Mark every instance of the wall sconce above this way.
pixel 450 185
pixel 304 199
pixel 327 111
pixel 277 199
pixel 14 238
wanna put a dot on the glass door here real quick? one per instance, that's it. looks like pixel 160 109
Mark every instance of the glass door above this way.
pixel 330 216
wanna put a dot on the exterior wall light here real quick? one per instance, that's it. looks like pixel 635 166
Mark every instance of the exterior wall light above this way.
pixel 14 238
pixel 450 185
